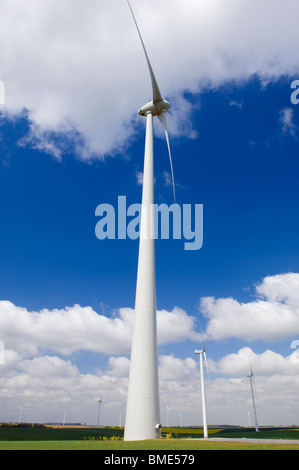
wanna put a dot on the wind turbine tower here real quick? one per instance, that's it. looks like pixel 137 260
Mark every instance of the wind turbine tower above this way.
pixel 251 379
pixel 100 401
pixel 143 404
pixel 202 357
pixel 21 412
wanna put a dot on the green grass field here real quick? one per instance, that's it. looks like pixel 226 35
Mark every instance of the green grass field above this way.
pixel 82 438
pixel 147 445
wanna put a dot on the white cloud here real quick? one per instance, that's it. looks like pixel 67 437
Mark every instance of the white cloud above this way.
pixel 47 384
pixel 268 363
pixel 119 367
pixel 176 326
pixel 48 367
pixel 73 329
pixel 34 374
pixel 274 317
pixel 167 179
pixel 172 368
pixel 139 178
pixel 282 288
pixel 229 398
pixel 79 70
pixel 286 119
pixel 237 104
pixel 64 331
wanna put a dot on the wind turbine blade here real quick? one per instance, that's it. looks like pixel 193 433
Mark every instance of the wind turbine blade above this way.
pixel 250 368
pixel 206 362
pixel 156 92
pixel 203 344
pixel 162 118
pixel 254 387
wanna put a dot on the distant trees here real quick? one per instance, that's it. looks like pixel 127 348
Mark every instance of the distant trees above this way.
pixel 22 425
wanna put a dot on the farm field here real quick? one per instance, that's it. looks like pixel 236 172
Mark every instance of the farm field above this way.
pixel 189 439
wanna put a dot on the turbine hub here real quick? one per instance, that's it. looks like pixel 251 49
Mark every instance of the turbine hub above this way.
pixel 154 108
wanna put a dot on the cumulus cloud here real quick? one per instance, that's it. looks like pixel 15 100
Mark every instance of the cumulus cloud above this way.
pixel 77 70
pixel 118 367
pixel 72 329
pixel 268 363
pixel 48 386
pixel 273 315
pixel 64 331
pixel 42 349
pixel 47 367
pixel 176 326
pixel 173 368
pixel 282 288
pixel 228 392
pixel 35 372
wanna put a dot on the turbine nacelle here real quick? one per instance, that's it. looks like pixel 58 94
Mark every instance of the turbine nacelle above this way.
pixel 155 108
pixel 198 351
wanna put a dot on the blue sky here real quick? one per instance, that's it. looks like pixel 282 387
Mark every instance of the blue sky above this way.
pixel 242 168
pixel 235 151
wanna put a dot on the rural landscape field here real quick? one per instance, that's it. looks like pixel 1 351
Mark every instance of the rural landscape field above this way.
pixel 38 437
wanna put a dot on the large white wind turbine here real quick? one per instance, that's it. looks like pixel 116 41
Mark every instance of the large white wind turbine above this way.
pixel 253 399
pixel 143 404
pixel 202 358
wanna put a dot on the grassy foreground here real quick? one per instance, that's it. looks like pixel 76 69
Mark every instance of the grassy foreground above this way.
pixel 109 439
pixel 147 445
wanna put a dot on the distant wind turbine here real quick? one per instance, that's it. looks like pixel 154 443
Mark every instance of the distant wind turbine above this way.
pixel 100 401
pixel 202 358
pixel 251 379
pixel 143 404
pixel 167 415
pixel 248 415
pixel 21 412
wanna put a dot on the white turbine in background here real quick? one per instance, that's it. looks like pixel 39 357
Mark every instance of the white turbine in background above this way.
pixel 21 413
pixel 100 401
pixel 202 358
pixel 251 379
pixel 143 404
pixel 248 415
